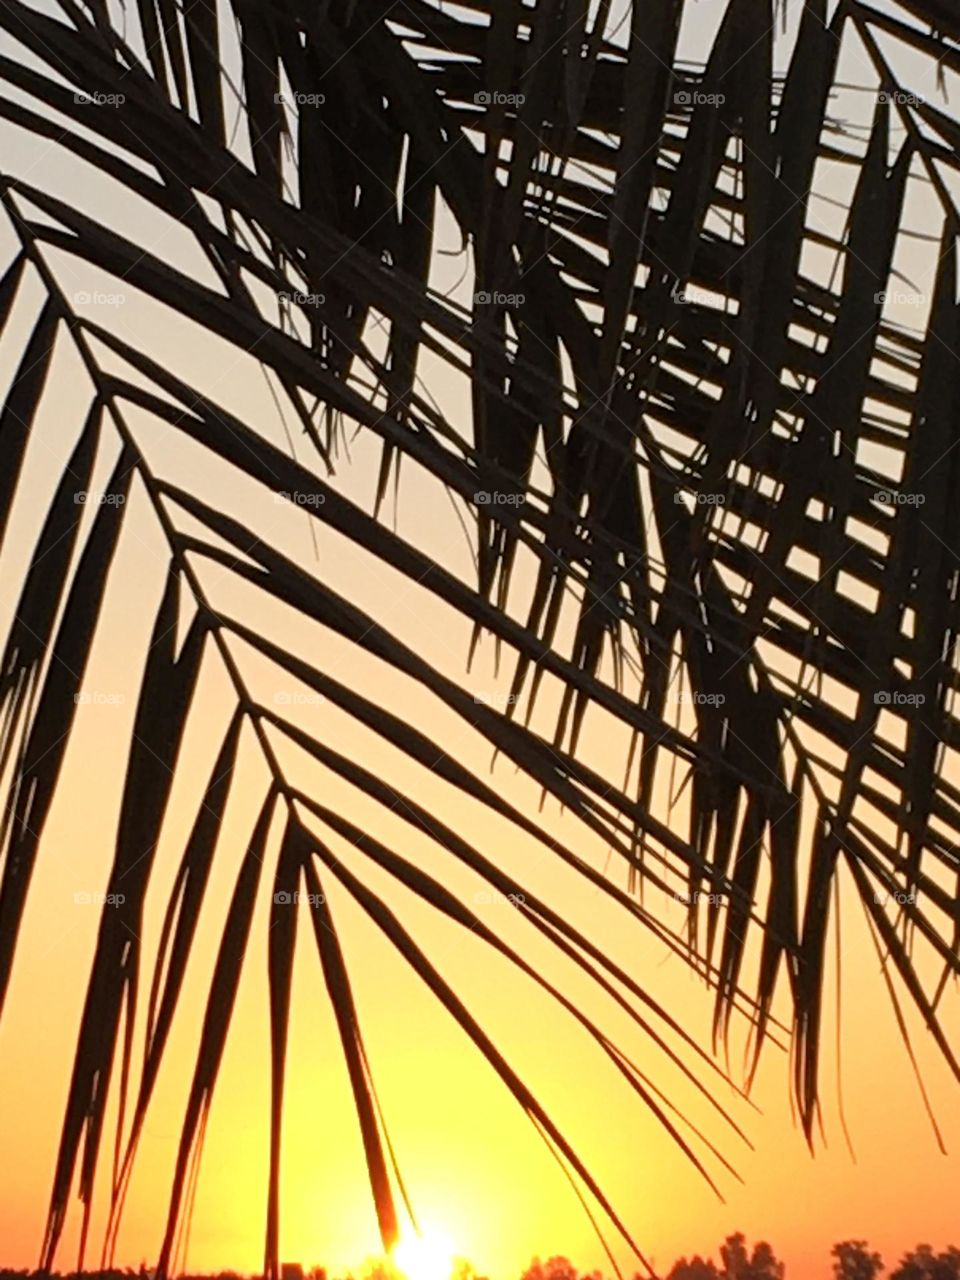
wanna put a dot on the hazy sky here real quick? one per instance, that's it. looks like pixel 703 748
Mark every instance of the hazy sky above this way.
pixel 476 1170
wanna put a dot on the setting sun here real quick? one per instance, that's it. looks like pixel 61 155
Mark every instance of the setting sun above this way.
pixel 424 1257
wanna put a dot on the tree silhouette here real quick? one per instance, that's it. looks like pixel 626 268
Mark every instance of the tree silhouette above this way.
pixel 557 1268
pixel 922 1263
pixel 694 1269
pixel 854 1260
pixel 740 1263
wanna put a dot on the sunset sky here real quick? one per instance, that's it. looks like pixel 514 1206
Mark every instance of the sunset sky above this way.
pixel 478 1174
pixel 476 1170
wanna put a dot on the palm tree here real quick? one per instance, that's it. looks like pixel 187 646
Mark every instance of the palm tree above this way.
pixel 696 413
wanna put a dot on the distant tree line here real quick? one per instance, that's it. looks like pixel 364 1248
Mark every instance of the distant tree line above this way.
pixel 852 1260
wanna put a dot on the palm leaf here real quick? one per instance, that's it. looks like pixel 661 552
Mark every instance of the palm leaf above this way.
pixel 719 465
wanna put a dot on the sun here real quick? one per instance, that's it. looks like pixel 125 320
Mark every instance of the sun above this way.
pixel 424 1257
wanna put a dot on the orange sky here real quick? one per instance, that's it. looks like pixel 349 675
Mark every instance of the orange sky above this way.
pixel 476 1170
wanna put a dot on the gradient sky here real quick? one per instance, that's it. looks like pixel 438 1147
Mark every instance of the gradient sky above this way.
pixel 476 1170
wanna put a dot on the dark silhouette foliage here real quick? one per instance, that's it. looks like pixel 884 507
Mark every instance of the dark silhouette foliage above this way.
pixel 924 1263
pixel 854 1260
pixel 705 466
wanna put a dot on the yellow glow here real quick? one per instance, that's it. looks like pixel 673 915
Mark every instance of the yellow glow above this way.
pixel 424 1257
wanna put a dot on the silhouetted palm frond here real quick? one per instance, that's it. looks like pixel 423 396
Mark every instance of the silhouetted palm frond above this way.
pixel 712 473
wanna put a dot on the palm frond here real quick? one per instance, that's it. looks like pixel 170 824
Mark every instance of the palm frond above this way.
pixel 709 474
